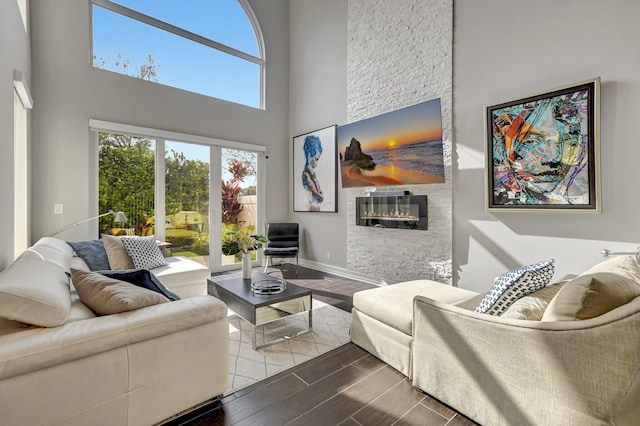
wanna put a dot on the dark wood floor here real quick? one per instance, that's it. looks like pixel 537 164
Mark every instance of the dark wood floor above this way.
pixel 346 386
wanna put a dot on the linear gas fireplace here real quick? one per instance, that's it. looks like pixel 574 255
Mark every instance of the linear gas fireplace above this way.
pixel 392 211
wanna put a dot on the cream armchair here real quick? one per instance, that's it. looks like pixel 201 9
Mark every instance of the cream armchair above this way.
pixel 501 371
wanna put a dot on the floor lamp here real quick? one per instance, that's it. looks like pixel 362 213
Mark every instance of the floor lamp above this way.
pixel 119 217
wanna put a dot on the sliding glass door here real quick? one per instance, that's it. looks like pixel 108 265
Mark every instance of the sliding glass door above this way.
pixel 187 183
pixel 238 197
pixel 166 187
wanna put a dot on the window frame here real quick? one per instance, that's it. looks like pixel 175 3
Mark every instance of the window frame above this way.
pixel 196 38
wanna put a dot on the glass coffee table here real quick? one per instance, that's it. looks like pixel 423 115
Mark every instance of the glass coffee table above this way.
pixel 260 309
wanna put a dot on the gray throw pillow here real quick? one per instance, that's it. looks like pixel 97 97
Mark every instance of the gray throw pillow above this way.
pixel 106 296
pixel 144 252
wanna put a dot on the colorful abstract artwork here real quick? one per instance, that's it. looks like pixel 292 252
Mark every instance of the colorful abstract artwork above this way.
pixel 315 171
pixel 542 150
pixel 398 148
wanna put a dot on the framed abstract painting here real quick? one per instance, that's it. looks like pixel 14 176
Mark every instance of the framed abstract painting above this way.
pixel 315 171
pixel 542 151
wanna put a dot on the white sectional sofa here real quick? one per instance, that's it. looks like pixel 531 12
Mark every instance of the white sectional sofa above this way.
pixel 61 364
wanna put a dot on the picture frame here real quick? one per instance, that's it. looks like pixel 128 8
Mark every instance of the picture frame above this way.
pixel 315 171
pixel 401 147
pixel 542 151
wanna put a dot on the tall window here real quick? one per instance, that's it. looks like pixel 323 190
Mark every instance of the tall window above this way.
pixel 209 47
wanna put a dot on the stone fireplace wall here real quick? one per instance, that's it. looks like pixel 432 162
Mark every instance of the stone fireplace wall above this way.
pixel 399 55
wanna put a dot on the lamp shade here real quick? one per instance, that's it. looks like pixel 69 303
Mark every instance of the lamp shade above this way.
pixel 120 217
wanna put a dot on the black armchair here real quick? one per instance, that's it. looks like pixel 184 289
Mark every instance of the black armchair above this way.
pixel 283 242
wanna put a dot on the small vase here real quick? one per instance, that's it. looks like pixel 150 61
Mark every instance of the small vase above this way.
pixel 246 266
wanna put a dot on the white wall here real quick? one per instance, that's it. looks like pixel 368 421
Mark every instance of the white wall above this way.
pixel 70 91
pixel 503 53
pixel 317 96
pixel 15 54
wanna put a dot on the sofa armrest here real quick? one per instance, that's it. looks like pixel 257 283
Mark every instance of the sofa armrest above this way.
pixel 502 371
pixel 22 351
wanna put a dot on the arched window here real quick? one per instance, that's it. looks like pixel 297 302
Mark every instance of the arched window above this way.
pixel 214 48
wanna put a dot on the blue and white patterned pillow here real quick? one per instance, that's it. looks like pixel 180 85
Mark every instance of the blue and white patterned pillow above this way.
pixel 515 284
pixel 144 252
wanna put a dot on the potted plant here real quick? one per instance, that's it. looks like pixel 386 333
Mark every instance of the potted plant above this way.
pixel 241 243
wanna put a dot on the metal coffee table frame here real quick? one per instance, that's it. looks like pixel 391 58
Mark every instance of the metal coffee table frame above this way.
pixel 261 309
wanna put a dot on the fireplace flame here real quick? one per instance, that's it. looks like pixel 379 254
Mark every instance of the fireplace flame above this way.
pixel 371 214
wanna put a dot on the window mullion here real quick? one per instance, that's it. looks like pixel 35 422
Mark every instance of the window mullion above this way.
pixel 160 190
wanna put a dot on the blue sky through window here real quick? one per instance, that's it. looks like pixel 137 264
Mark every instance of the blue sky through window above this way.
pixel 180 62
pixel 221 20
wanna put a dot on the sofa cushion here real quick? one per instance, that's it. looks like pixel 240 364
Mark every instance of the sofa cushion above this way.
pixel 627 266
pixel 142 278
pixel 532 307
pixel 25 350
pixel 591 295
pixel 144 252
pixel 393 304
pixel 54 250
pixel 515 284
pixel 35 292
pixel 55 243
pixel 107 296
pixel 180 271
pixel 117 254
pixel 93 253
pixel 49 255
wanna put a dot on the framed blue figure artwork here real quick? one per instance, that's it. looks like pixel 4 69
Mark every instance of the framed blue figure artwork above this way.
pixel 315 171
pixel 543 151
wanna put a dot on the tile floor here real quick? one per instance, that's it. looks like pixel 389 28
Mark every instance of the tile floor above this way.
pixel 248 366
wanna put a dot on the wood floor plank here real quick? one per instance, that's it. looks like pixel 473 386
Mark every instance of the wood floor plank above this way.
pixel 313 372
pixel 369 363
pixel 340 407
pixel 350 422
pixel 305 400
pixel 438 407
pixel 421 416
pixel 320 359
pixel 253 402
pixel 390 406
pixel 460 420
